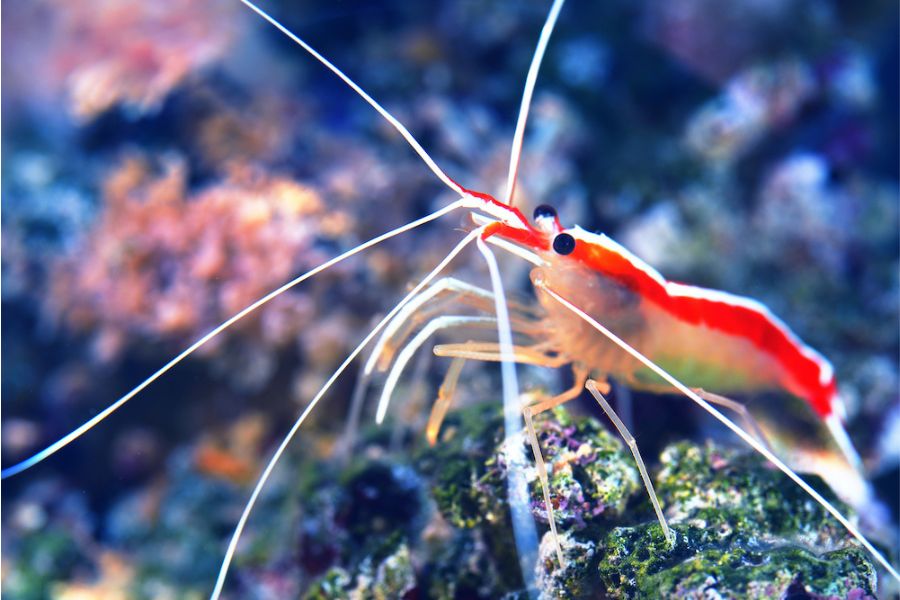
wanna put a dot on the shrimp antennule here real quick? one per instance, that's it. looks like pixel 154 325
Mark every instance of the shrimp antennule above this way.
pixel 530 81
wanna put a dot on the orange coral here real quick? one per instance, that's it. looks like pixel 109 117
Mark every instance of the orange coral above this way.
pixel 229 132
pixel 161 262
pixel 235 455
pixel 115 578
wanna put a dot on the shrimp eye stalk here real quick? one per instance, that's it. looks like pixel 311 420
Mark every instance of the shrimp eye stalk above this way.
pixel 563 244
pixel 545 219
pixel 544 211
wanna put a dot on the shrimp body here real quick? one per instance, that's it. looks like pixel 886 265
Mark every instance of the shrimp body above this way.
pixel 706 338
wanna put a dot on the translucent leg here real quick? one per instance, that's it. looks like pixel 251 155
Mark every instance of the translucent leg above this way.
pixel 536 408
pixel 490 352
pixel 624 406
pixel 741 411
pixel 460 353
pixel 632 445
pixel 545 483
pixel 430 303
pixel 403 357
pixel 573 392
pixel 445 397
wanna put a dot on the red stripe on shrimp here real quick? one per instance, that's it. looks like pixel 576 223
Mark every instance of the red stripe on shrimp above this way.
pixel 811 376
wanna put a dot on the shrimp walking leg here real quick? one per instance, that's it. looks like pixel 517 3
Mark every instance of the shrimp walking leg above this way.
pixel 632 445
pixel 545 483
pixel 529 412
pixel 490 352
pixel 432 301
pixel 451 378
pixel 445 397
pixel 751 423
pixel 403 357
pixel 581 375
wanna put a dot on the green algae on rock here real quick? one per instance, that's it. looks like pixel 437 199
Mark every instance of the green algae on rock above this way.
pixel 378 578
pixel 590 473
pixel 742 530
pixel 591 476
pixel 579 577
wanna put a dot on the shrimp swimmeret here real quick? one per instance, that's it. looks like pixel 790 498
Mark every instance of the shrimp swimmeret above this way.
pixel 600 309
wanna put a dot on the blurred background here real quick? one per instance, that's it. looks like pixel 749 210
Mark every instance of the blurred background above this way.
pixel 167 163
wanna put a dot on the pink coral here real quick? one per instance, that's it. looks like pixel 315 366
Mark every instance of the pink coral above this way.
pixel 112 52
pixel 163 263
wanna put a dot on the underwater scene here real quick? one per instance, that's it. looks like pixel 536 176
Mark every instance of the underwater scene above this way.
pixel 265 335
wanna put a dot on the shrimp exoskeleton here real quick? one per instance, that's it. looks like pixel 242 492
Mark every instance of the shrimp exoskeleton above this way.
pixel 600 309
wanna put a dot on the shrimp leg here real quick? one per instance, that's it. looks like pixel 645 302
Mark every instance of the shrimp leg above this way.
pixel 445 397
pixel 545 482
pixel 751 423
pixel 632 445
pixel 528 412
pixel 451 379
pixel 425 306
pixel 476 351
pixel 403 357
pixel 490 352
pixel 581 375
pixel 468 350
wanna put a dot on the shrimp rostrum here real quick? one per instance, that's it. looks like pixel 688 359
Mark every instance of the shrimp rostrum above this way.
pixel 599 309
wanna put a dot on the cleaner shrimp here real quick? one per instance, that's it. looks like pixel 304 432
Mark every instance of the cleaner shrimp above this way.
pixel 600 309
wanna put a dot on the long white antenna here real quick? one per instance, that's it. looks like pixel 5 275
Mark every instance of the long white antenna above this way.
pixel 87 426
pixel 232 545
pixel 381 110
pixel 749 439
pixel 524 530
pixel 530 81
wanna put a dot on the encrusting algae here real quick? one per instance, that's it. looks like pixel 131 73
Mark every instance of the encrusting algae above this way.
pixel 376 529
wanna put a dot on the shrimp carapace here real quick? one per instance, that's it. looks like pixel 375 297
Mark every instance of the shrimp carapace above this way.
pixel 707 338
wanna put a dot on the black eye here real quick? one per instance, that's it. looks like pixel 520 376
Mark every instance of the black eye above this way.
pixel 563 244
pixel 544 211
